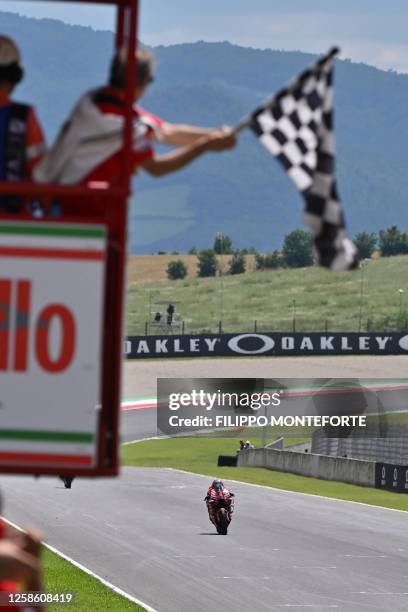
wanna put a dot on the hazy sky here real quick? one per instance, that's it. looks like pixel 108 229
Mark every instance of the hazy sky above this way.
pixel 369 31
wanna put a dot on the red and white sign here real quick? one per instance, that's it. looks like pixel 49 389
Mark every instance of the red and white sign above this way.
pixel 52 279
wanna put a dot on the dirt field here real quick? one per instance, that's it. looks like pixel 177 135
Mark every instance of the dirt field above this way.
pixel 152 268
pixel 140 377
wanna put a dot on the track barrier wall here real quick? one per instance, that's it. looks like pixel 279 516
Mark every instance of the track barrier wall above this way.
pixel 353 471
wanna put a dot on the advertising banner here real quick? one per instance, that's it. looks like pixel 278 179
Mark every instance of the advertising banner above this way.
pixel 52 279
pixel 391 477
pixel 273 344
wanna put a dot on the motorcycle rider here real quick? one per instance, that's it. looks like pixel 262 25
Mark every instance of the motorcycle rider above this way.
pixel 217 492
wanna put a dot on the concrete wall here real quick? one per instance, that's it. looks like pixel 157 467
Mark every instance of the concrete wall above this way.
pixel 353 471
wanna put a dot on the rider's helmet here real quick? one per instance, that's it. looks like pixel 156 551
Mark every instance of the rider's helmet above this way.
pixel 217 485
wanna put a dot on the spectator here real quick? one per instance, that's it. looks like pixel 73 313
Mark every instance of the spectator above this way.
pixel 241 445
pixel 170 313
pixel 157 317
pixel 88 148
pixel 22 142
pixel 248 445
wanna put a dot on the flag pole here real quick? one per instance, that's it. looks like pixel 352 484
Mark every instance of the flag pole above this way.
pixel 247 119
pixel 242 124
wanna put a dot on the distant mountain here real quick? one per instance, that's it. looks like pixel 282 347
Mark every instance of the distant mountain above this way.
pixel 243 193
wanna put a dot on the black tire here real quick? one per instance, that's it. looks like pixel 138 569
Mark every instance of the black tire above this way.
pixel 223 522
pixel 68 481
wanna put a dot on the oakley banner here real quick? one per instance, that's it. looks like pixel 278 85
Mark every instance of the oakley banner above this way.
pixel 391 477
pixel 230 345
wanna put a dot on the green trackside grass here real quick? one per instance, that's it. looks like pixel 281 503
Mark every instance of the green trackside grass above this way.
pixel 319 298
pixel 200 456
pixel 89 594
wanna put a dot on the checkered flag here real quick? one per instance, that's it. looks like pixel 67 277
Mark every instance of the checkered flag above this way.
pixel 296 126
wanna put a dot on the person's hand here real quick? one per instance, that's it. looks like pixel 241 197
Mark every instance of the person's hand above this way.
pixel 221 139
pixel 16 564
pixel 31 542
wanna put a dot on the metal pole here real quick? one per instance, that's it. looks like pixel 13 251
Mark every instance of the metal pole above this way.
pixel 294 314
pixel 221 237
pixel 120 26
pixel 401 293
pixel 264 428
pixel 130 24
pixel 362 265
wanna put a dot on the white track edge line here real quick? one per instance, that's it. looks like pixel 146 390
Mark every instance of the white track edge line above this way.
pixel 252 484
pixel 144 440
pixel 106 583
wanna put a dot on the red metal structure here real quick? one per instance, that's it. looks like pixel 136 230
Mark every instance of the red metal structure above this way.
pixel 108 204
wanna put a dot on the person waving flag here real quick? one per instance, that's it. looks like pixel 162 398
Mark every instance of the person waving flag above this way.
pixel 296 126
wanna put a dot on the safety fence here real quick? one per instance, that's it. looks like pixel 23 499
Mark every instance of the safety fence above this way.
pixel 377 442
pixel 381 324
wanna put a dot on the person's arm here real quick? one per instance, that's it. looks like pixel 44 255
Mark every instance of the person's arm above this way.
pixel 215 140
pixel 31 544
pixel 179 134
pixel 16 564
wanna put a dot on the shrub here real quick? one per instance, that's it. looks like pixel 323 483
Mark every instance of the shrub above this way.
pixel 222 244
pixel 237 263
pixel 297 249
pixel 366 244
pixel 393 242
pixel 207 263
pixel 269 261
pixel 176 269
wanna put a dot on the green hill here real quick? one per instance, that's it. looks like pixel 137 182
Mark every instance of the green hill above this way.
pixel 244 193
pixel 316 298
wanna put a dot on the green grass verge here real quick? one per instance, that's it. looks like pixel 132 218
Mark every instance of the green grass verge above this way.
pixel 200 456
pixel 89 594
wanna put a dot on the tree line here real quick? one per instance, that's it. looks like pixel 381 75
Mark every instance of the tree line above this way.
pixel 296 252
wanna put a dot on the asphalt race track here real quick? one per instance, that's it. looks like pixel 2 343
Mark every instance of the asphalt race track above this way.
pixel 148 533
pixel 140 377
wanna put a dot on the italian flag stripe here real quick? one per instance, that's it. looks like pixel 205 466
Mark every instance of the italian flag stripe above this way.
pixel 55 229
pixel 47 436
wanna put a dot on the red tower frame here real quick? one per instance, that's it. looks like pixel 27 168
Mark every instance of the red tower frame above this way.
pixel 109 206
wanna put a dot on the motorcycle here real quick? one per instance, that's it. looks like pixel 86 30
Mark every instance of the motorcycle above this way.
pixel 223 515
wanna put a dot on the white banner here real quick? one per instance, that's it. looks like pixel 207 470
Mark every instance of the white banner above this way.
pixel 51 313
